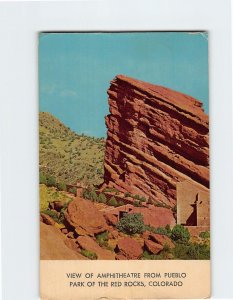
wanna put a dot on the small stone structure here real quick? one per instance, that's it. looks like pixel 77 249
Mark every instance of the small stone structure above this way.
pixel 193 206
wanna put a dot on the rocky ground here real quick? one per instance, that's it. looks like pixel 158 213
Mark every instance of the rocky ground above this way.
pixel 80 236
pixel 87 232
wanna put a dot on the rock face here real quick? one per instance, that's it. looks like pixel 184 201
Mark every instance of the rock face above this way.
pixel 55 246
pixel 158 238
pixel 85 218
pixel 129 248
pixel 155 216
pixel 89 244
pixel 156 137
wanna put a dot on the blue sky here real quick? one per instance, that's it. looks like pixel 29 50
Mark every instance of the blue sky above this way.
pixel 75 70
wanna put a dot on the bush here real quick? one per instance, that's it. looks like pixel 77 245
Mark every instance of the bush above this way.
pixel 51 181
pixel 93 196
pixel 89 254
pixel 43 179
pixel 162 230
pixel 180 234
pixel 191 251
pixel 131 224
pixel 102 198
pixel 143 199
pixel 102 239
pixel 112 202
pixel 136 203
pixel 204 235
pixel 61 186
pixel 52 214
pixel 127 194
pixel 73 191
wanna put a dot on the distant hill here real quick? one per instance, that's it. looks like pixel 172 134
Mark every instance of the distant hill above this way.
pixel 67 156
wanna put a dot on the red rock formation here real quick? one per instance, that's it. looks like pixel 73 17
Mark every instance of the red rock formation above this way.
pixel 55 246
pixel 153 247
pixel 156 138
pixel 129 248
pixel 89 244
pixel 84 217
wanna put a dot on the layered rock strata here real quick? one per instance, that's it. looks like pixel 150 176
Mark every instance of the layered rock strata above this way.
pixel 156 137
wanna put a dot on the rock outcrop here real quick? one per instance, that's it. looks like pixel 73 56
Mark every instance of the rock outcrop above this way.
pixel 55 246
pixel 156 137
pixel 155 216
pixel 84 217
pixel 87 243
pixel 128 248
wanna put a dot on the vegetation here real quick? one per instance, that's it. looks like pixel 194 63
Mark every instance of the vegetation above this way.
pixel 191 251
pixel 113 202
pixel 180 234
pixel 131 224
pixel 204 235
pixel 102 198
pixel 102 239
pixel 49 194
pixel 90 194
pixel 66 156
pixel 89 254
pixel 52 214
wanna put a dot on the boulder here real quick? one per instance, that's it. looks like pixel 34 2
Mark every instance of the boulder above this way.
pixel 158 238
pixel 153 247
pixel 111 219
pixel 64 230
pixel 84 217
pixel 120 257
pixel 53 245
pixel 129 248
pixel 87 243
pixel 70 235
pixel 47 219
pixel 114 234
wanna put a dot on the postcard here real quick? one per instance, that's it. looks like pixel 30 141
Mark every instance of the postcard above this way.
pixel 124 165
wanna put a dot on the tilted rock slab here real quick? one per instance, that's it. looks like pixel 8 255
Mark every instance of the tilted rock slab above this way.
pixel 87 243
pixel 55 246
pixel 84 217
pixel 156 137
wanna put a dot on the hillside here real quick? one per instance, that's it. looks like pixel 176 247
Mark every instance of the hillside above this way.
pixel 67 156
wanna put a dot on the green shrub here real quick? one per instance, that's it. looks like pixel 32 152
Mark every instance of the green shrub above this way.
pixel 136 203
pixel 93 196
pixel 162 230
pixel 102 239
pixel 131 224
pixel 112 202
pixel 127 194
pixel 43 179
pixel 191 251
pixel 73 191
pixel 102 198
pixel 180 234
pixel 143 199
pixel 61 186
pixel 204 235
pixel 89 254
pixel 51 181
pixel 52 214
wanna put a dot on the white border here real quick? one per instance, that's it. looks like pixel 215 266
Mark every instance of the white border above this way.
pixel 19 24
